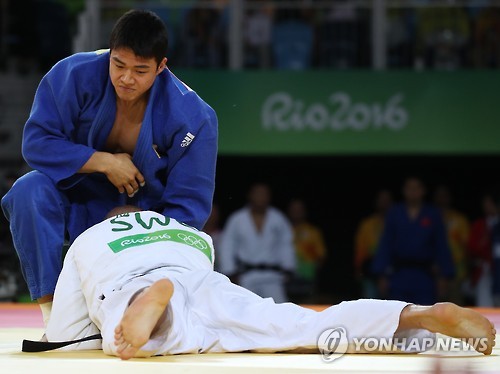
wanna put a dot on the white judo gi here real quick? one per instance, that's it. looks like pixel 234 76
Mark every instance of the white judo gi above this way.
pixel 246 251
pixel 111 261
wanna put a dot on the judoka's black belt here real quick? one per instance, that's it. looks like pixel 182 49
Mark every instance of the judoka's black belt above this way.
pixel 405 263
pixel 248 267
pixel 39 346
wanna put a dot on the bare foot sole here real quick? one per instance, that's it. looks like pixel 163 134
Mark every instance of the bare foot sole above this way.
pixel 142 317
pixel 461 323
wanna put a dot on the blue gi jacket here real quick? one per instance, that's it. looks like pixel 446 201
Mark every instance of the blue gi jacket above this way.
pixel 72 115
pixel 419 243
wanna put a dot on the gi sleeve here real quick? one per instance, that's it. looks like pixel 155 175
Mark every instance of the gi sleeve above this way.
pixel 48 136
pixel 226 251
pixel 286 247
pixel 70 319
pixel 190 185
pixel 382 262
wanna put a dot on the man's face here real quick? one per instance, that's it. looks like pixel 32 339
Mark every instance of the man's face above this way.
pixel 414 191
pixel 131 75
pixel 260 196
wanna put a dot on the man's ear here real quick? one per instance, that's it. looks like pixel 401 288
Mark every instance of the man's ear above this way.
pixel 161 66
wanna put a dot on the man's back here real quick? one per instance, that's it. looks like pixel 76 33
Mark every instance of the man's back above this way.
pixel 135 244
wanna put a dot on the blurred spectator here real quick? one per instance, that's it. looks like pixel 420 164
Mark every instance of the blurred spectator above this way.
pixel 367 240
pixel 292 40
pixel 400 35
pixel 443 35
pixel 495 263
pixel 480 252
pixel 457 225
pixel 413 260
pixel 487 38
pixel 257 36
pixel 339 36
pixel 310 250
pixel 201 42
pixel 214 229
pixel 256 248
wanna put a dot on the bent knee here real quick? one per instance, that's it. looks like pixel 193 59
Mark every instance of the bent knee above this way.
pixel 31 188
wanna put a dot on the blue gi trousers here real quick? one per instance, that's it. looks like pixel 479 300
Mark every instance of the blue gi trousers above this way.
pixel 43 217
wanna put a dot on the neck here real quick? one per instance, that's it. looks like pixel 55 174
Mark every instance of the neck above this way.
pixel 131 105
pixel 257 210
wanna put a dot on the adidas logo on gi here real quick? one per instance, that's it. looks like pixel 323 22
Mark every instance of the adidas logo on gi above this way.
pixel 187 140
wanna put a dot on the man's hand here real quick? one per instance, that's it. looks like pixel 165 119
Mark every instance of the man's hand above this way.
pixel 124 175
pixel 118 168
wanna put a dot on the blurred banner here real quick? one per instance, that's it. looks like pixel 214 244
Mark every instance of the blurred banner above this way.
pixel 321 113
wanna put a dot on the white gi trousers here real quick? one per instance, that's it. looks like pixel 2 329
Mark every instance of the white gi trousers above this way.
pixel 208 313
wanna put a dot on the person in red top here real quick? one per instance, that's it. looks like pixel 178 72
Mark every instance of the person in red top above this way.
pixel 479 252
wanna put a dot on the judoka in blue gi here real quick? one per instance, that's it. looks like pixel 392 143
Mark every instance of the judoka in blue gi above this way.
pixel 107 128
pixel 413 260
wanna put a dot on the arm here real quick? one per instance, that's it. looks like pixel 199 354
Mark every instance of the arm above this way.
pixel 320 245
pixel 382 261
pixel 381 265
pixel 190 187
pixel 444 257
pixel 286 248
pixel 48 137
pixel 479 241
pixel 70 318
pixel 227 247
pixel 360 248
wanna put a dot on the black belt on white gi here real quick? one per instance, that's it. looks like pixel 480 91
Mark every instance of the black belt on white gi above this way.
pixel 40 346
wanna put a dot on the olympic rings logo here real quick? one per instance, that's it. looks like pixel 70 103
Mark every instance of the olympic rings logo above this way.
pixel 193 241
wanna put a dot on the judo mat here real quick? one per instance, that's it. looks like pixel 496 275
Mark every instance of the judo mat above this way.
pixel 24 321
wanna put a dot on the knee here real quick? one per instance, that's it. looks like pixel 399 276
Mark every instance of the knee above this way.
pixel 32 189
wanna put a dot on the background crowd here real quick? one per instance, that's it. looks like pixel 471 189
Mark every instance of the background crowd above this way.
pixel 310 35
pixel 314 229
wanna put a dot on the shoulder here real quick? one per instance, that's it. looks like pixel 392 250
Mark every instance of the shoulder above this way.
pixel 93 63
pixel 180 92
pixel 238 215
pixel 278 215
pixel 84 72
pixel 182 107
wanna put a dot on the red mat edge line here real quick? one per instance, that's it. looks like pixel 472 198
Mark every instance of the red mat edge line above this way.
pixel 317 307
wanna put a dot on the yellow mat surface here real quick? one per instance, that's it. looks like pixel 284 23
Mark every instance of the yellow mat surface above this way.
pixel 23 321
pixel 12 360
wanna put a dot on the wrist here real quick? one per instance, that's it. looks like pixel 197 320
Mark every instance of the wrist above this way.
pixel 99 162
pixel 103 161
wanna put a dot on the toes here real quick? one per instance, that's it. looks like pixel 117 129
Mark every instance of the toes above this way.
pixel 118 329
pixel 122 347
pixel 128 353
pixel 119 341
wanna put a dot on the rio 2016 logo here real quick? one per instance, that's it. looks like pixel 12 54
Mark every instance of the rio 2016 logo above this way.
pixel 332 343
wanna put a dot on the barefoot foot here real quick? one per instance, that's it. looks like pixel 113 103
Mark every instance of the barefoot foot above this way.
pixel 461 323
pixel 142 317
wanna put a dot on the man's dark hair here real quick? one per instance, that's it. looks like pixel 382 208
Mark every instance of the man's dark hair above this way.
pixel 143 32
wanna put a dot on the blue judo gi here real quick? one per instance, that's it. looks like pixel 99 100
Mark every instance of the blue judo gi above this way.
pixel 413 253
pixel 72 115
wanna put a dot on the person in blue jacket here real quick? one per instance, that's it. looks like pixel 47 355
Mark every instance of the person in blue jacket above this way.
pixel 413 261
pixel 108 128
